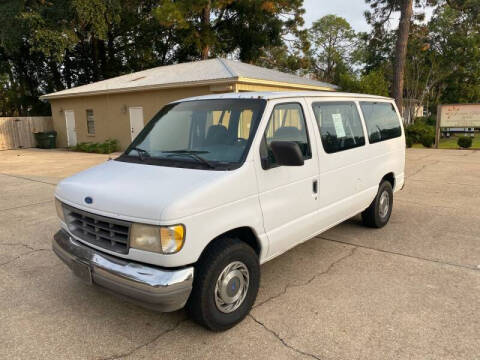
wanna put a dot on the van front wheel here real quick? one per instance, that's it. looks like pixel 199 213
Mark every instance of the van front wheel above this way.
pixel 379 211
pixel 225 286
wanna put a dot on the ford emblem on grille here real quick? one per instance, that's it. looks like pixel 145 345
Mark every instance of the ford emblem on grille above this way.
pixel 88 200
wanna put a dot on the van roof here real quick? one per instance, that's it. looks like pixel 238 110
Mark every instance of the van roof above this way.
pixel 283 95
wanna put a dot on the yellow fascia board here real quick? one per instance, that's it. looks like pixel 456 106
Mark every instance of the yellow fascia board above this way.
pixel 244 80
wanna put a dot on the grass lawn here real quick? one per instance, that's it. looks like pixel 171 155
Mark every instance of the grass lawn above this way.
pixel 451 143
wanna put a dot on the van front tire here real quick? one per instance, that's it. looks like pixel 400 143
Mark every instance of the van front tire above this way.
pixel 379 211
pixel 226 282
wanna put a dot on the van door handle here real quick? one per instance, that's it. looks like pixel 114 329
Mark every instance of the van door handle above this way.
pixel 315 186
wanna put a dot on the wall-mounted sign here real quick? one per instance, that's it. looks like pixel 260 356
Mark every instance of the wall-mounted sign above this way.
pixel 460 115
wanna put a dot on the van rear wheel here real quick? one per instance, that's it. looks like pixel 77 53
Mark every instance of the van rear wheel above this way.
pixel 379 211
pixel 225 286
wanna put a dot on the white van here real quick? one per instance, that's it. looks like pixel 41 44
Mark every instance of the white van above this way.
pixel 215 186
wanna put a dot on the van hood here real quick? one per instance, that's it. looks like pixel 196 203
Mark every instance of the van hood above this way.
pixel 149 193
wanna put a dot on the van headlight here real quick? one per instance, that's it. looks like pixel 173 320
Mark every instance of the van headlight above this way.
pixel 160 239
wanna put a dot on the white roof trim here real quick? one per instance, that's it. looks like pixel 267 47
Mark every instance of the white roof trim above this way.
pixel 139 88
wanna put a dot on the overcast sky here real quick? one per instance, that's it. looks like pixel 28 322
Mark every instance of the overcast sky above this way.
pixel 352 10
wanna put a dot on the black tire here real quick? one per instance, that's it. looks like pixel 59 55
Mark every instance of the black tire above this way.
pixel 201 305
pixel 372 216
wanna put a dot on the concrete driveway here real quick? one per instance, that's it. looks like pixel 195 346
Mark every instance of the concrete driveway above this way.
pixel 408 291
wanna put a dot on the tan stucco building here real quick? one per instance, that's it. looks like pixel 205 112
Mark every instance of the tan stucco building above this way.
pixel 118 108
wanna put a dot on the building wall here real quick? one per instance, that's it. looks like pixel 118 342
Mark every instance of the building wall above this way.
pixel 111 114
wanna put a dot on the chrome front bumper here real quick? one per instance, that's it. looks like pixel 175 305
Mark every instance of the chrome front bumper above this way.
pixel 150 286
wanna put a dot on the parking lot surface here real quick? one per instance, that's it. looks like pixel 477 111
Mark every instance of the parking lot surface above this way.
pixel 408 291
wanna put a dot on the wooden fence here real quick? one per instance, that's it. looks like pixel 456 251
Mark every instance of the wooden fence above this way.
pixel 17 132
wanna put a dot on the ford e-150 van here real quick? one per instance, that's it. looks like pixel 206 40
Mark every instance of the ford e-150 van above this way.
pixel 215 186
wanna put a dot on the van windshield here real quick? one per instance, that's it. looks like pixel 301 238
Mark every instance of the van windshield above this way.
pixel 212 134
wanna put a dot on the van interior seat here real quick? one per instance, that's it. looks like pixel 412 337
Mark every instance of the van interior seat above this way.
pixel 217 135
pixel 288 133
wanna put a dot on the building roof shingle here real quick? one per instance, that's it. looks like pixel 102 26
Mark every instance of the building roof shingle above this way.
pixel 199 72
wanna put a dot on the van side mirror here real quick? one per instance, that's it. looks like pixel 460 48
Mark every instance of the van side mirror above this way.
pixel 287 153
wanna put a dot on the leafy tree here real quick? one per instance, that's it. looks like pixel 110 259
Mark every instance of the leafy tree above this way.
pixel 332 40
pixel 454 37
pixel 258 28
pixel 373 83
pixel 24 68
pixel 441 55
pixel 47 46
pixel 380 15
pixel 250 28
pixel 192 21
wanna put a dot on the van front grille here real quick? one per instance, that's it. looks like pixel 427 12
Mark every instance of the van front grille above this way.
pixel 110 234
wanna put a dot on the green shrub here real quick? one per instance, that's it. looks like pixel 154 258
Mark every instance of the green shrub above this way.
pixel 107 147
pixel 418 130
pixel 465 142
pixel 409 141
pixel 427 140
pixel 429 121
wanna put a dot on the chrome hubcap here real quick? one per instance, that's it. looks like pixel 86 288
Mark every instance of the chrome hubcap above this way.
pixel 232 287
pixel 384 204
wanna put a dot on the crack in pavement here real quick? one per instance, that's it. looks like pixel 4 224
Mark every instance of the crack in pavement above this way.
pixel 156 338
pixel 26 178
pixel 421 169
pixel 135 349
pixel 282 340
pixel 22 255
pixel 423 205
pixel 351 253
pixel 421 158
pixel 445 183
pixel 23 206
pixel 290 286
pixel 20 244
pixel 436 261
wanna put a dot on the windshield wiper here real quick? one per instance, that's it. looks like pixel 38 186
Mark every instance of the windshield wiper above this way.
pixel 193 154
pixel 186 152
pixel 141 153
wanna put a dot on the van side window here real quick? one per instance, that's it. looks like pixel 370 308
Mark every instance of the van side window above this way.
pixel 340 125
pixel 287 123
pixel 381 120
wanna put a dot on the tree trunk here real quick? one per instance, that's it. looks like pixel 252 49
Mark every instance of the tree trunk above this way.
pixel 56 76
pixel 95 67
pixel 112 63
pixel 205 29
pixel 105 71
pixel 67 69
pixel 406 13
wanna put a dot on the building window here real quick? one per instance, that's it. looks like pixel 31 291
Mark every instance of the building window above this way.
pixel 90 122
pixel 340 125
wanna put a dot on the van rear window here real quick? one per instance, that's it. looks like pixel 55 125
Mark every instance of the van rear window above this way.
pixel 381 120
